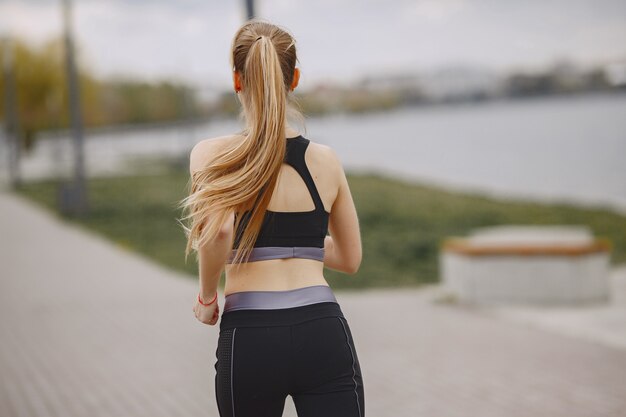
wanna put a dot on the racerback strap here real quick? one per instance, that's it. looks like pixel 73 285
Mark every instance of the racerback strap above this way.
pixel 296 149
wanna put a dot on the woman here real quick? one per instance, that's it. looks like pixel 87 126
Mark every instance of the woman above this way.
pixel 261 203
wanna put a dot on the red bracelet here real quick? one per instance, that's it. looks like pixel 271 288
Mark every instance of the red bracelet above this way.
pixel 210 302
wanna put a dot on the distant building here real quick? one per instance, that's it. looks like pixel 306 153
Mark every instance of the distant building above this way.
pixel 446 83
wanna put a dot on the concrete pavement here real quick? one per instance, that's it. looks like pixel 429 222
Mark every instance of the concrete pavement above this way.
pixel 90 329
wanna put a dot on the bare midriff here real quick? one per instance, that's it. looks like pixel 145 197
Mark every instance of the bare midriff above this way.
pixel 274 275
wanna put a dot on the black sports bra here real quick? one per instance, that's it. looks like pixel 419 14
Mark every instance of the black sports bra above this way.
pixel 298 234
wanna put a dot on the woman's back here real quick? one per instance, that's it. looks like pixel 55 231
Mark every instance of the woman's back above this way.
pixel 291 195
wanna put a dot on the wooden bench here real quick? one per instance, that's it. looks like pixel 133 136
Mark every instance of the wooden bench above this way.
pixel 527 265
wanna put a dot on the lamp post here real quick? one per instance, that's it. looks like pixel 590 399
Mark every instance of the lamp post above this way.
pixel 249 9
pixel 73 198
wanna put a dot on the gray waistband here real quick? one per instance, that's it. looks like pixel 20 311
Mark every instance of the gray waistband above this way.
pixel 265 300
pixel 279 252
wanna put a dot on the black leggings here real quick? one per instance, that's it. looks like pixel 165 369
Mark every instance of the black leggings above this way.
pixel 306 352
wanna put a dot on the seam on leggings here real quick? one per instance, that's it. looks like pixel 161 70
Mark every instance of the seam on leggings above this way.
pixel 353 366
pixel 291 359
pixel 232 360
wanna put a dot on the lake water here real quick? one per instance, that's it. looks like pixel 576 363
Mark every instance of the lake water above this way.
pixel 557 149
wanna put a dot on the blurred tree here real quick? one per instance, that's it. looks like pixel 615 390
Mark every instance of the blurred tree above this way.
pixel 42 90
pixel 43 100
pixel 39 90
pixel 134 101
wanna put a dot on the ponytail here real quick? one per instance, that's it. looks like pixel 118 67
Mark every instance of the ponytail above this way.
pixel 242 177
pixel 266 107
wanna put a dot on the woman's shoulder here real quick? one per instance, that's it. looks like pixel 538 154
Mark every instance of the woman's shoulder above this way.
pixel 204 150
pixel 323 155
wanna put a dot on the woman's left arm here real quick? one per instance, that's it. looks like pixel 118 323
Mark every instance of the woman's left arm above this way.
pixel 212 257
pixel 213 254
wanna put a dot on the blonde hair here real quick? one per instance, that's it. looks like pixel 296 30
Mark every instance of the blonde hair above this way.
pixel 243 175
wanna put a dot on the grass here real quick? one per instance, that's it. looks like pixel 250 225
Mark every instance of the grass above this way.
pixel 402 223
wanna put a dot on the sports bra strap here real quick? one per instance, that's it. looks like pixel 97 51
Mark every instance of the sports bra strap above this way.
pixel 295 158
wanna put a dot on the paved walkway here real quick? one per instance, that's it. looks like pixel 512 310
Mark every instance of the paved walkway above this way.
pixel 601 323
pixel 88 329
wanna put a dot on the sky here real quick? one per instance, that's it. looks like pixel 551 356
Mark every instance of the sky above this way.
pixel 337 40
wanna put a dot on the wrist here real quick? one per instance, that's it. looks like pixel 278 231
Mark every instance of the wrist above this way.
pixel 202 299
pixel 207 291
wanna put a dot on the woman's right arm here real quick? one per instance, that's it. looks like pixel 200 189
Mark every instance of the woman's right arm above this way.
pixel 342 249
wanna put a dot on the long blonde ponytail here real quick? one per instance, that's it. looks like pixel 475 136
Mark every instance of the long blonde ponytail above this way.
pixel 242 176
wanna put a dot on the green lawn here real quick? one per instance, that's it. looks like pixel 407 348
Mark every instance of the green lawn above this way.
pixel 402 224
